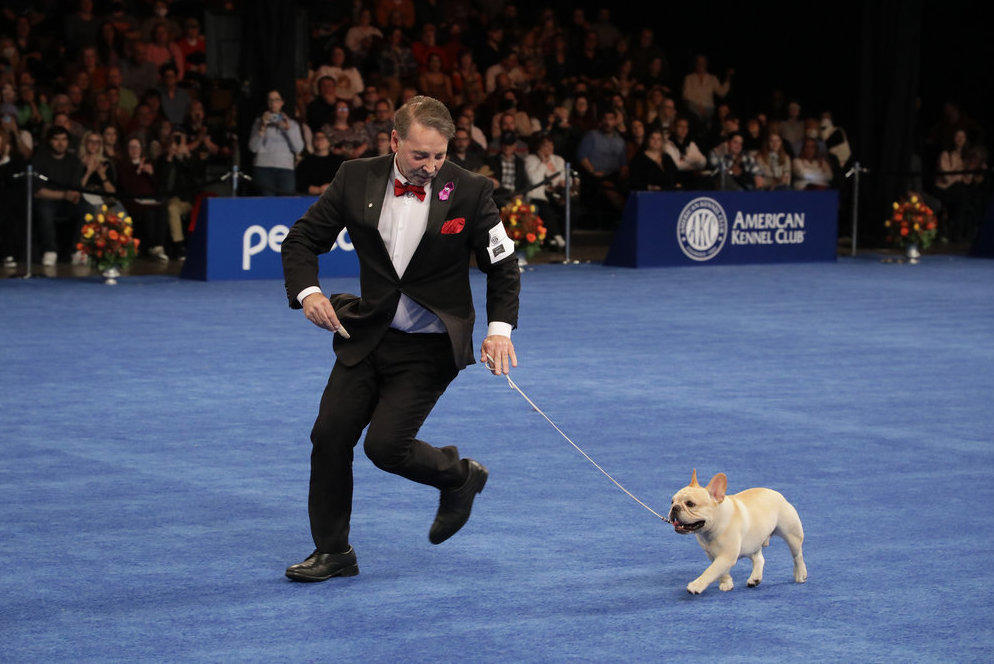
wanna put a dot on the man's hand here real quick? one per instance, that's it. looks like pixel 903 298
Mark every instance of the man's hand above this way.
pixel 319 311
pixel 501 350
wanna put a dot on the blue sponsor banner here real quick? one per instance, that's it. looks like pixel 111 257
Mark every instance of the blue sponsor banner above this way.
pixel 726 227
pixel 240 238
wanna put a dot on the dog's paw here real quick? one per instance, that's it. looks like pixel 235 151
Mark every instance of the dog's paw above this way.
pixel 696 587
pixel 800 578
pixel 726 584
pixel 752 583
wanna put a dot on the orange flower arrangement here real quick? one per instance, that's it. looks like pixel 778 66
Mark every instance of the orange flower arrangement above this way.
pixel 107 240
pixel 911 222
pixel 523 226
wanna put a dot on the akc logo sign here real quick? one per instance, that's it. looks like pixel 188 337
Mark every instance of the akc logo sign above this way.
pixel 256 238
pixel 702 228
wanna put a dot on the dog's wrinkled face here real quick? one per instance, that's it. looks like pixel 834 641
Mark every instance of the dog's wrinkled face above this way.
pixel 690 509
pixel 693 507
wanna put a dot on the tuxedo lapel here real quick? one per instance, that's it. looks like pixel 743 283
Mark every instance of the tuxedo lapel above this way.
pixel 376 186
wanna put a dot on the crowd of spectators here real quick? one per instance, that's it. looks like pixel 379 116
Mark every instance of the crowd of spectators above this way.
pixel 116 101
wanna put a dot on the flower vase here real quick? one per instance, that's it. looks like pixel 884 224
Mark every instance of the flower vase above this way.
pixel 110 275
pixel 912 253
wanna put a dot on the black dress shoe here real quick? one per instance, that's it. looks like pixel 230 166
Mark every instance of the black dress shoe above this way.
pixel 322 566
pixel 455 505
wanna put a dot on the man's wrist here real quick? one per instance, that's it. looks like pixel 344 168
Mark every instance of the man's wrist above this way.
pixel 310 290
pixel 499 329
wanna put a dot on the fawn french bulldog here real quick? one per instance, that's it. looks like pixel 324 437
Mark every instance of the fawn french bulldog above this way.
pixel 733 527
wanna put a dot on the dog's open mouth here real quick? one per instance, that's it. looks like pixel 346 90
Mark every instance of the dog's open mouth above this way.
pixel 684 528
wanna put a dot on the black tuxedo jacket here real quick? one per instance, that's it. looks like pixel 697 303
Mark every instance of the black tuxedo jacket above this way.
pixel 437 277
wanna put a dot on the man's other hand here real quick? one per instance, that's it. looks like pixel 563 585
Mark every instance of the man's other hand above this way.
pixel 501 350
pixel 319 311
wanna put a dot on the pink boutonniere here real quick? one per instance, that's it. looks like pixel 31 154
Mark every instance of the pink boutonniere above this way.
pixel 446 191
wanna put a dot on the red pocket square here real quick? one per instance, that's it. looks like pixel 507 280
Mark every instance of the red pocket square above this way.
pixel 453 226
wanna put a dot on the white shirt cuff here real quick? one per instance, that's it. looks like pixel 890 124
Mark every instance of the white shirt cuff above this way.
pixel 500 329
pixel 307 291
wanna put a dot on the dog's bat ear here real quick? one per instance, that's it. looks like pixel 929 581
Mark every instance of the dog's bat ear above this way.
pixel 693 478
pixel 717 487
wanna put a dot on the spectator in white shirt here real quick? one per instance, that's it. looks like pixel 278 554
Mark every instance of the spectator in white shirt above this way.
pixel 548 198
pixel 700 88
pixel 811 169
pixel 684 152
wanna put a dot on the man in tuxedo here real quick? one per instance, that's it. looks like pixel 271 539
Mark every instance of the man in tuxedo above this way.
pixel 414 219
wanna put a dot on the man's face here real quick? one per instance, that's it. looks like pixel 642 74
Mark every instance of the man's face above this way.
pixel 370 96
pixel 682 129
pixel 169 78
pixel 382 112
pixel 327 87
pixel 321 143
pixel 421 154
pixel 59 144
pixel 461 140
pixel 507 122
pixel 508 150
pixel 735 144
pixel 793 109
pixel 609 122
pixel 114 76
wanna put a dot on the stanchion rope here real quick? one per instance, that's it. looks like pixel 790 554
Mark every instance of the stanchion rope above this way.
pixel 514 386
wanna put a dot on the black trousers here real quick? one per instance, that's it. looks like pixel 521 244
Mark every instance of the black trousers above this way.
pixel 392 390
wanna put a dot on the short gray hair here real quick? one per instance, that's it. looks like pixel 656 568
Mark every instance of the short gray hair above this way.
pixel 429 112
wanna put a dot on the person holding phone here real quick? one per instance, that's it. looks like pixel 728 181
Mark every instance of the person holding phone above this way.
pixel 276 141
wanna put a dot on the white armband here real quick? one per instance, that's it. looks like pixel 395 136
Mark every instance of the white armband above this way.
pixel 500 246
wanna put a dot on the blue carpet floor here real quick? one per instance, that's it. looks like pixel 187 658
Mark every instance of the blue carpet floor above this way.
pixel 153 474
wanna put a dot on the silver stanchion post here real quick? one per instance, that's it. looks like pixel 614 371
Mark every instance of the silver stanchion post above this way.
pixel 29 176
pixel 569 219
pixel 855 172
pixel 234 180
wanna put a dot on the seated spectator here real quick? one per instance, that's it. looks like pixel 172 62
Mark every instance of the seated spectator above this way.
pixel 337 67
pixel 203 142
pixel 359 37
pixel 381 145
pixel 652 169
pixel 21 139
pixel 138 72
pixel 112 143
pixel 32 113
pixel 382 121
pixel 127 100
pixel 548 198
pixel 792 128
pixel 175 100
pixel 465 152
pixel 584 116
pixel 321 111
pixel 636 139
pixel 427 46
pixel 98 171
pixel 733 168
pixel 57 200
pixel 603 164
pixel 773 164
pixel 192 42
pixel 564 136
pixel 955 188
pixel 276 141
pixel 467 120
pixel 467 82
pixel 162 49
pixel 90 63
pixel 837 144
pixel 753 136
pixel 811 169
pixel 700 87
pixel 433 82
pixel 348 140
pixel 507 169
pixel 176 171
pixel 138 184
pixel 397 63
pixel 508 66
pixel 316 171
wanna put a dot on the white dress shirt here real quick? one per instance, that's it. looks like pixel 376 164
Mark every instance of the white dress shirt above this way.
pixel 402 224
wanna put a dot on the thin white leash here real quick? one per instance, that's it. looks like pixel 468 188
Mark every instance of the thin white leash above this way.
pixel 577 447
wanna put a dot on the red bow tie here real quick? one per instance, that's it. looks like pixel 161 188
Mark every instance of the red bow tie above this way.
pixel 400 189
